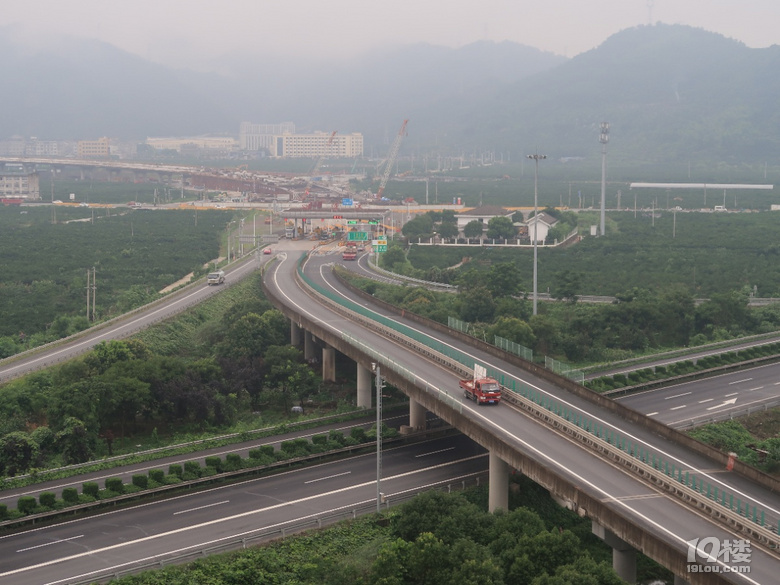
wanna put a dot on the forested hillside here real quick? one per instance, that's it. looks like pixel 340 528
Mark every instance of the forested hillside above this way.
pixel 670 92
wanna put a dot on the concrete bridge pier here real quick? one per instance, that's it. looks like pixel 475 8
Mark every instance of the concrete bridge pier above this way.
pixel 623 554
pixel 329 364
pixel 363 387
pixel 417 413
pixel 498 490
pixel 417 418
pixel 295 334
pixel 309 347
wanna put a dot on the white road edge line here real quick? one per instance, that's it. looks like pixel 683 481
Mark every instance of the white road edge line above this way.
pixel 201 507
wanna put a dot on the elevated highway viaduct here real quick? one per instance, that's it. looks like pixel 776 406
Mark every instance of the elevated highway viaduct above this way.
pixel 645 487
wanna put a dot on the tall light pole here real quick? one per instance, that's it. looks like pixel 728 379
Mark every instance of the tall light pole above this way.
pixel 604 138
pixel 379 385
pixel 536 158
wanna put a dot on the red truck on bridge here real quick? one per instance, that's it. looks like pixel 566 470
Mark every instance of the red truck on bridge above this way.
pixel 481 389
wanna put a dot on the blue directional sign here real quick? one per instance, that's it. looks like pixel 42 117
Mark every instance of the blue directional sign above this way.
pixel 347 202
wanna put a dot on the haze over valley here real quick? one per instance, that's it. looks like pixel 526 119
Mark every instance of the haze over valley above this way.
pixel 670 93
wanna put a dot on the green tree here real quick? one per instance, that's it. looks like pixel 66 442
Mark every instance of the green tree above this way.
pixel 501 228
pixel 395 256
pixel 547 334
pixel 121 399
pixel 447 230
pixel 473 229
pixel 476 304
pixel 17 453
pixel 504 279
pixel 107 353
pixel 420 226
pixel 565 286
pixel 75 442
pixel 288 376
pixel 513 329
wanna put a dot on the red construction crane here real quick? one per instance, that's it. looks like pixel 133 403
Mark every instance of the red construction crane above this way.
pixel 391 156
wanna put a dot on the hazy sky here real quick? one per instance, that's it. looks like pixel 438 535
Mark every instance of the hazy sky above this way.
pixel 195 32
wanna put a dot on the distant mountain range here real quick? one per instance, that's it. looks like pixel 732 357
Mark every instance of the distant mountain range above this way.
pixel 669 92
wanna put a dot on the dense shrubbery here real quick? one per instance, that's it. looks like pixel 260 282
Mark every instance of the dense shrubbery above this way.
pixel 681 368
pixel 491 300
pixel 218 364
pixel 191 470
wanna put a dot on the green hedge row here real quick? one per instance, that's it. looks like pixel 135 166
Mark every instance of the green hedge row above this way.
pixel 646 375
pixel 190 470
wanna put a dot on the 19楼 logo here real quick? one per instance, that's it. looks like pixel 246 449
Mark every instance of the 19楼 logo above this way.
pixel 716 554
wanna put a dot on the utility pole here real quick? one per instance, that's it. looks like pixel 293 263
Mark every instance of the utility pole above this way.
pixel 536 158
pixel 379 385
pixel 91 292
pixel 88 296
pixel 94 293
pixel 603 138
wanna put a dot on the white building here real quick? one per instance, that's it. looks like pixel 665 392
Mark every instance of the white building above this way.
pixel 261 136
pixel 542 223
pixel 19 185
pixel 213 143
pixel 482 214
pixel 318 144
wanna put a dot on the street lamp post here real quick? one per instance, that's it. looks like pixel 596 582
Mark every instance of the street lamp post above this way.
pixel 604 138
pixel 536 158
pixel 379 385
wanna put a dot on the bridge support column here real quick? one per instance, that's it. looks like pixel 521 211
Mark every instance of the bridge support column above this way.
pixel 295 334
pixel 417 418
pixel 309 347
pixel 498 491
pixel 363 387
pixel 329 364
pixel 417 415
pixel 623 554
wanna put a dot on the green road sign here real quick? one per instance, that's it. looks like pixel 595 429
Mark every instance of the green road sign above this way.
pixel 380 248
pixel 357 236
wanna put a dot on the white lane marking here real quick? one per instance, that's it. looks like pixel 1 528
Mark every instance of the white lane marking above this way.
pixel 678 395
pixel 732 394
pixel 201 507
pixel 51 543
pixel 651 414
pixel 678 407
pixel 712 478
pixel 327 477
pixel 216 521
pixel 739 381
pixel 708 400
pixel 435 452
pixel 722 404
pixel 753 389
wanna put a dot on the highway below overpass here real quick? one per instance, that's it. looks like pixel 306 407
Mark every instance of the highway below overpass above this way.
pixel 709 399
pixel 593 485
pixel 232 516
